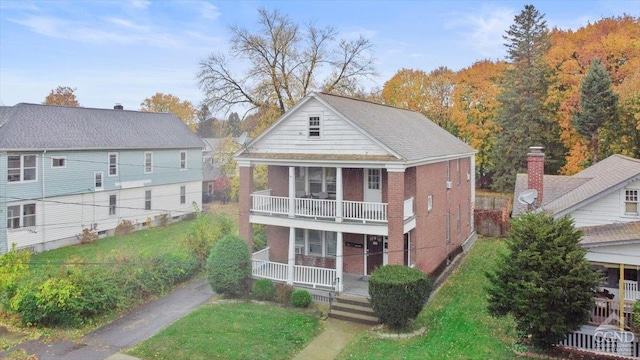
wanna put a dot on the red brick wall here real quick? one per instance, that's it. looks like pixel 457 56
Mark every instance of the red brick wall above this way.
pixel 244 204
pixel 353 257
pixel 278 242
pixel 353 183
pixel 278 180
pixel 395 210
pixel 535 171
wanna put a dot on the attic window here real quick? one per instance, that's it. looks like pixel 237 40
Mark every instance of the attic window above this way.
pixel 631 202
pixel 314 126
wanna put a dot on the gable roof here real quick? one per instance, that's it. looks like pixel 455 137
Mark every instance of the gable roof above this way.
pixel 40 127
pixel 408 135
pixel 562 194
pixel 610 234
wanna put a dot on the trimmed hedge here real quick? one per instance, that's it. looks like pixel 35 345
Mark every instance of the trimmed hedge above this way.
pixel 301 298
pixel 398 294
pixel 264 290
pixel 229 266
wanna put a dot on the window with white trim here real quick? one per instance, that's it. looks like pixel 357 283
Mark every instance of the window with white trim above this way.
pixel 458 170
pixel 315 180
pixel 58 162
pixel 448 170
pixel 448 227
pixel 458 219
pixel 316 242
pixel 429 203
pixel 98 180
pixel 183 194
pixel 147 199
pixel 113 164
pixel 148 162
pixel 183 160
pixel 20 216
pixel 21 168
pixel 112 204
pixel 314 238
pixel 314 127
pixel 373 179
pixel 631 202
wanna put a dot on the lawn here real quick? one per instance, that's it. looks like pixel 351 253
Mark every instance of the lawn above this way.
pixel 233 331
pixel 459 326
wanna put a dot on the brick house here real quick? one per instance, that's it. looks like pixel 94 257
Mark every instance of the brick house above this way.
pixel 354 185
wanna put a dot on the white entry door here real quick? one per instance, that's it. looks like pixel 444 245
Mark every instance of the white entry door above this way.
pixel 373 185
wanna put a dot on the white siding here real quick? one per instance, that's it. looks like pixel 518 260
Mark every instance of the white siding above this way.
pixel 606 210
pixel 337 136
pixel 64 217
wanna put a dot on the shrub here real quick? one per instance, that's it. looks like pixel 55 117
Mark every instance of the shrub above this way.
pixel 88 235
pixel 301 298
pixel 229 266
pixel 398 294
pixel 124 228
pixel 205 231
pixel 163 219
pixel 14 266
pixel 283 294
pixel 635 326
pixel 263 289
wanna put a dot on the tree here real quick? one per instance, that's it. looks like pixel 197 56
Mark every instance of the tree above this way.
pixel 63 96
pixel 233 125
pixel 523 118
pixel 168 103
pixel 205 122
pixel 544 280
pixel 285 63
pixel 229 266
pixel 429 94
pixel 475 109
pixel 598 106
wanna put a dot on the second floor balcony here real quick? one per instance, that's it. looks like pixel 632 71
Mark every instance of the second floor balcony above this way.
pixel 262 202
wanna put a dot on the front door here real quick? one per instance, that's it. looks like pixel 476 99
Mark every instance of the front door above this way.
pixel 375 253
pixel 373 185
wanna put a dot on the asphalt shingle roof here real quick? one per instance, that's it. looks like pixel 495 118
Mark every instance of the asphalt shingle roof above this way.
pixel 408 133
pixel 561 193
pixel 611 233
pixel 37 127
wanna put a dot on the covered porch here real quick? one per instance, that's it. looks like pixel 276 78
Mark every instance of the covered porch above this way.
pixel 308 276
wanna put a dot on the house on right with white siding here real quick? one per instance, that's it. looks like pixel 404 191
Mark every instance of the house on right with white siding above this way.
pixel 604 202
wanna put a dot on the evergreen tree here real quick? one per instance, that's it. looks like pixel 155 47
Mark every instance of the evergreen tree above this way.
pixel 544 281
pixel 233 126
pixel 598 104
pixel 205 122
pixel 522 115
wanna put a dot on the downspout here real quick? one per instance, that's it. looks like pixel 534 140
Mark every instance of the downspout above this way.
pixel 44 237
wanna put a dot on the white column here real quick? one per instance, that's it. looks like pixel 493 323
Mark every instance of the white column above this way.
pixel 292 255
pixel 339 195
pixel 339 261
pixel 292 191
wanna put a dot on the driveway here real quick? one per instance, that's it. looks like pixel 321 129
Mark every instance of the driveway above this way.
pixel 125 332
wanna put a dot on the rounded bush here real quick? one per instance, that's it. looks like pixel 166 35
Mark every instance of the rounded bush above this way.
pixel 229 266
pixel 301 298
pixel 398 294
pixel 264 290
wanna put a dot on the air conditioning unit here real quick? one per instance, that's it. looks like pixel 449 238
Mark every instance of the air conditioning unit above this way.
pixel 299 249
pixel 468 176
pixel 449 184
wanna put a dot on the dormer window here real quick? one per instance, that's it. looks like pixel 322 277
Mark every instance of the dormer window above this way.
pixel 314 127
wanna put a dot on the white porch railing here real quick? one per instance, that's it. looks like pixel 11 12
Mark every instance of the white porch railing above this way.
pixel 631 290
pixel 269 270
pixel 408 208
pixel 269 204
pixel 315 207
pixel 308 275
pixel 365 211
pixel 314 276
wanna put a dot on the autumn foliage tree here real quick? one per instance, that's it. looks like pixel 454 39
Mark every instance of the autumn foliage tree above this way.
pixel 168 103
pixel 63 96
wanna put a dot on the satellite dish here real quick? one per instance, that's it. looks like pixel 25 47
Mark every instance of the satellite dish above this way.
pixel 242 139
pixel 528 197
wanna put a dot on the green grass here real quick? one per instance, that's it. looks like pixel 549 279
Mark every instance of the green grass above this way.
pixel 458 324
pixel 232 331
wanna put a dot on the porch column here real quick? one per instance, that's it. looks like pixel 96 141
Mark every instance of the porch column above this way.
pixel 292 191
pixel 339 195
pixel 339 261
pixel 244 201
pixel 395 211
pixel 292 255
pixel 621 300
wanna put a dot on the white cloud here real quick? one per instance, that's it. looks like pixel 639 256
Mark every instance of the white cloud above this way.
pixel 209 11
pixel 482 29
pixel 140 4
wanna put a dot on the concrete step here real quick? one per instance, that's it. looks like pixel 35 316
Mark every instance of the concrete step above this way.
pixel 353 300
pixel 352 317
pixel 355 309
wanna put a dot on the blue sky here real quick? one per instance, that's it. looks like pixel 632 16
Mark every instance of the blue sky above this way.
pixel 126 51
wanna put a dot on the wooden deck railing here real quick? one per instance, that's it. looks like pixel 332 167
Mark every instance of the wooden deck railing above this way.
pixel 607 310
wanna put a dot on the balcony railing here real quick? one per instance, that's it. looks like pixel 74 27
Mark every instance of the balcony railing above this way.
pixel 631 290
pixel 261 267
pixel 263 202
pixel 607 310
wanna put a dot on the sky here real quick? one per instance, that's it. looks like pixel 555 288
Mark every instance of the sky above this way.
pixel 127 50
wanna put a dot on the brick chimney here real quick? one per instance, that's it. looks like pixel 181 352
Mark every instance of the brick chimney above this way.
pixel 118 106
pixel 535 171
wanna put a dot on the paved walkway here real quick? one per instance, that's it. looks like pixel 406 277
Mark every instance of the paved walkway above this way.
pixel 336 335
pixel 132 328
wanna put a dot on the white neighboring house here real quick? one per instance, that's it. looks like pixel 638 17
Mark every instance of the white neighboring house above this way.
pixel 65 169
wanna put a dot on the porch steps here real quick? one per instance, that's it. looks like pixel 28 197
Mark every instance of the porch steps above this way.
pixel 354 309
